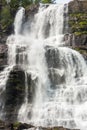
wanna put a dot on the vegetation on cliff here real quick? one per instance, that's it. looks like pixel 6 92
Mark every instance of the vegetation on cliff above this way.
pixel 78 17
pixel 78 23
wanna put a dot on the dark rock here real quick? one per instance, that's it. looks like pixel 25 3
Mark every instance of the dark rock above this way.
pixel 55 78
pixel 31 10
pixel 14 95
pixel 3 38
pixel 2 125
pixel 76 40
pixel 3 56
pixel 54 66
pixel 11 127
pixel 3 51
pixel 78 6
pixel 23 126
pixel 81 39
pixel 52 57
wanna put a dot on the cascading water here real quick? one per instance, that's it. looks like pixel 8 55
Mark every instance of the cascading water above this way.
pixel 4 75
pixel 58 73
pixel 18 21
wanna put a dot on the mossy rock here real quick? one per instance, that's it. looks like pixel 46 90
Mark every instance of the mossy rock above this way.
pixel 16 125
pixel 80 33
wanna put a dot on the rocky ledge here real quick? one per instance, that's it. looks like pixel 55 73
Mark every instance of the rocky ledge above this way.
pixel 25 126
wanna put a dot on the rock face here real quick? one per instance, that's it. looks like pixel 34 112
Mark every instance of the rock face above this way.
pixel 3 56
pixel 14 94
pixel 54 63
pixel 78 22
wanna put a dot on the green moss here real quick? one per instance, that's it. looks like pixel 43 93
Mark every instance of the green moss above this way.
pixel 81 50
pixel 78 23
pixel 78 15
pixel 80 33
pixel 6 19
pixel 16 124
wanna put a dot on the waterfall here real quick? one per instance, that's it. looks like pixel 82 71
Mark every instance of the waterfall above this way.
pixel 57 73
pixel 18 20
pixel 11 43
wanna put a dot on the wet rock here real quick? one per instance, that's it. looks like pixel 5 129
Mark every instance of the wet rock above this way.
pixel 3 38
pixel 14 94
pixel 56 75
pixel 30 11
pixel 3 56
pixel 80 39
pixel 22 126
pixel 52 57
pixel 2 125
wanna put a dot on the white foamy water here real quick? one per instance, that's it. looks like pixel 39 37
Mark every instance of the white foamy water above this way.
pixel 58 73
pixel 18 21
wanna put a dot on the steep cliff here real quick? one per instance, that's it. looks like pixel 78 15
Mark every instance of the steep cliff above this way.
pixel 78 21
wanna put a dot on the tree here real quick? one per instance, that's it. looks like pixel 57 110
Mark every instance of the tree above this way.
pixel 48 1
pixel 26 2
pixel 6 19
